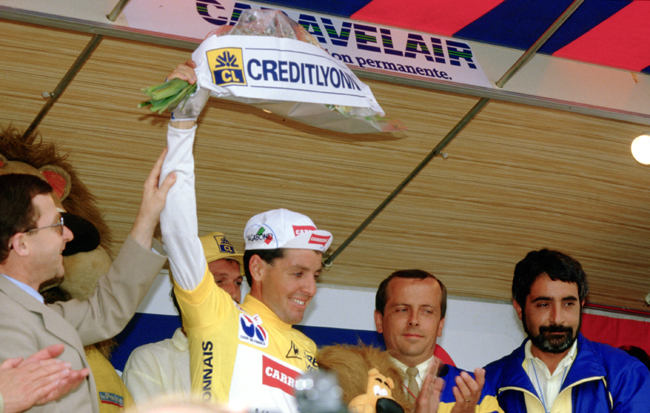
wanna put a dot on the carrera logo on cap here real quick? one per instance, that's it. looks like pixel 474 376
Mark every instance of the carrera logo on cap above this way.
pixel 276 375
pixel 260 236
pixel 227 66
pixel 224 245
pixel 319 239
pixel 250 331
pixel 302 229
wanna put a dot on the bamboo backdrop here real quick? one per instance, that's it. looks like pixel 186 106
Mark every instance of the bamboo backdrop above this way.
pixel 517 178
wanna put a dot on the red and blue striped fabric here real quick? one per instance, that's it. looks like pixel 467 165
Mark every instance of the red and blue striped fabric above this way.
pixel 603 32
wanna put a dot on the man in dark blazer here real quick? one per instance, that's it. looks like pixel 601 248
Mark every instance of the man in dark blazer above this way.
pixel 32 238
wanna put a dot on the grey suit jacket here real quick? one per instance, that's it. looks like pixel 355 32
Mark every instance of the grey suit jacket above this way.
pixel 27 326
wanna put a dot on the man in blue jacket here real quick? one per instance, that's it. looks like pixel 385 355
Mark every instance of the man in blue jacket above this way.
pixel 556 369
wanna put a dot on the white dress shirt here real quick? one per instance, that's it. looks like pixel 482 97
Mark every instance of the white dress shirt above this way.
pixel 546 384
pixel 422 370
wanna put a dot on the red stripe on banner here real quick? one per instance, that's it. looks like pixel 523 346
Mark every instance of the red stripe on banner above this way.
pixel 443 17
pixel 616 332
pixel 622 41
pixel 620 310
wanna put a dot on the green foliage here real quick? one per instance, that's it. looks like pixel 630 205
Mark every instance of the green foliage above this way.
pixel 168 95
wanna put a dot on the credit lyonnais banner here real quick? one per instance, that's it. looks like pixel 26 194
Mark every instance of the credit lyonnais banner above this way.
pixel 359 45
pixel 277 69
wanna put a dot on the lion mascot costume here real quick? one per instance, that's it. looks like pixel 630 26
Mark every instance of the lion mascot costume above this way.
pixel 86 258
pixel 369 380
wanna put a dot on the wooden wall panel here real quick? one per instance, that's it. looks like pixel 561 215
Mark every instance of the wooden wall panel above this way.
pixel 517 178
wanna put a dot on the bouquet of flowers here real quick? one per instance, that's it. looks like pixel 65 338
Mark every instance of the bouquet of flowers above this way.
pixel 269 61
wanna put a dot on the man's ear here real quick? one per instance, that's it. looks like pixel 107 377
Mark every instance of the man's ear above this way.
pixel 517 307
pixel 440 326
pixel 378 322
pixel 256 266
pixel 17 243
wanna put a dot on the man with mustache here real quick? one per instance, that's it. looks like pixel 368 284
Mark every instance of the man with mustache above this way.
pixel 557 369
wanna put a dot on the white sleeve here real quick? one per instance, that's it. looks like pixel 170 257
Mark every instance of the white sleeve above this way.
pixel 178 220
pixel 142 376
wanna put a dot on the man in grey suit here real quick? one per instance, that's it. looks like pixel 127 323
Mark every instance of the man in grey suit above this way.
pixel 32 238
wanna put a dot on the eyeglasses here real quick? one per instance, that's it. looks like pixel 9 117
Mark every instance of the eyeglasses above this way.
pixel 59 226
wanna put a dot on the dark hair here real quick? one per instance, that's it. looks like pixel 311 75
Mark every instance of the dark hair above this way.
pixel 267 255
pixel 639 353
pixel 556 265
pixel 18 214
pixel 382 292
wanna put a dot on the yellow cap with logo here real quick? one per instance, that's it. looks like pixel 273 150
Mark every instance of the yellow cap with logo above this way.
pixel 216 247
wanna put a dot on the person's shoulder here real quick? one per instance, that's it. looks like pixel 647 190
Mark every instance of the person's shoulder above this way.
pixel 302 337
pixel 616 362
pixel 15 296
pixel 505 366
pixel 9 300
pixel 602 351
pixel 152 349
pixel 299 334
pixel 498 364
pixel 21 310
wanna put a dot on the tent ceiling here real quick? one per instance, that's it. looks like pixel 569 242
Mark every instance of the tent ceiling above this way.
pixel 517 178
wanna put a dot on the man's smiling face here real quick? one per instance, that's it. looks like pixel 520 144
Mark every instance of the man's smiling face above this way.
pixel 289 283
pixel 47 244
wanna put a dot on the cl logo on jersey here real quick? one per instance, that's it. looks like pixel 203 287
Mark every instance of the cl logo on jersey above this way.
pixel 227 66
pixel 250 331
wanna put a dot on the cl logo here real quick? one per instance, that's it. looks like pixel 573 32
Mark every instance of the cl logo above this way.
pixel 229 75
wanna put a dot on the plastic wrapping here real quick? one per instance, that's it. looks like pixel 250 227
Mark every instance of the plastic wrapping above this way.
pixel 301 95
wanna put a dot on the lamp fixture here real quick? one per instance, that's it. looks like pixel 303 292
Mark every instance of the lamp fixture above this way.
pixel 641 148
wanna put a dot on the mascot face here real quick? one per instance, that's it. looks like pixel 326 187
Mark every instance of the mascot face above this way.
pixel 367 377
pixel 378 397
pixel 379 385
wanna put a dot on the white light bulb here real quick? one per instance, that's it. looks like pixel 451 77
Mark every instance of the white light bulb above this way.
pixel 641 149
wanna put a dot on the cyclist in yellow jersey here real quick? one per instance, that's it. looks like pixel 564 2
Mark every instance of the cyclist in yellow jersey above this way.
pixel 247 353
